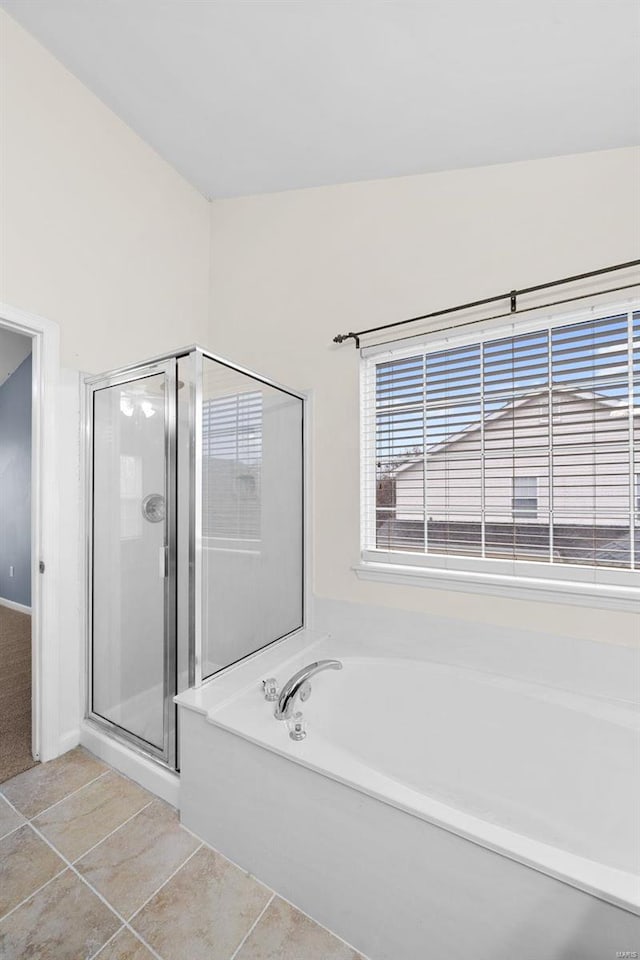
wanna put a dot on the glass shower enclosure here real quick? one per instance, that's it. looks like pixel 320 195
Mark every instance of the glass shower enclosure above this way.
pixel 195 523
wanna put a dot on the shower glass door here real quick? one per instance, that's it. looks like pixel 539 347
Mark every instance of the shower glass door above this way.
pixel 132 583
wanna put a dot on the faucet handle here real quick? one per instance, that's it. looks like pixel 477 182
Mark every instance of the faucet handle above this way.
pixel 297 727
pixel 270 688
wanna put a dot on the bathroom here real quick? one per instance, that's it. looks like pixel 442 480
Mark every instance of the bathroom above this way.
pixel 468 782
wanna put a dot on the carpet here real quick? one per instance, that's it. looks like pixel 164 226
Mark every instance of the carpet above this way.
pixel 15 693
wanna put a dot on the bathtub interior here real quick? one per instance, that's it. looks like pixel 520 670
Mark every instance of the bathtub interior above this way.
pixel 500 749
pixel 539 774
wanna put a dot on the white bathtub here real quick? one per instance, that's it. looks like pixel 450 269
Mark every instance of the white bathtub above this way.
pixel 398 752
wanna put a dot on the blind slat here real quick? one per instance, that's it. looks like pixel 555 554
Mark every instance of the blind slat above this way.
pixel 524 440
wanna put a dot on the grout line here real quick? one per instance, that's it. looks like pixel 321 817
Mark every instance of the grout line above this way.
pixel 126 924
pixel 322 927
pixel 70 866
pixel 107 835
pixel 46 809
pixel 125 776
pixel 170 877
pixel 72 794
pixel 33 893
pixel 9 832
pixel 106 943
pixel 246 872
pixel 279 895
pixel 99 895
pixel 252 927
pixel 117 914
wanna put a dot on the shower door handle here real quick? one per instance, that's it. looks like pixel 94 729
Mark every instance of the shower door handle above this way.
pixel 163 558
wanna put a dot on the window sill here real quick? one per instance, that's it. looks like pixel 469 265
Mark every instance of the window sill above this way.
pixel 577 593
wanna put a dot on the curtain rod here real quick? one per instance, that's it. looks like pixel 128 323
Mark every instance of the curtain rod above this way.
pixel 512 296
pixel 500 316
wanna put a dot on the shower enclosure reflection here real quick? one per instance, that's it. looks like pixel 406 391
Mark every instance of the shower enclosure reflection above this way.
pixel 195 553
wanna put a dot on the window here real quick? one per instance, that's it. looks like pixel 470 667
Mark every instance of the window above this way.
pixel 505 448
pixel 231 466
pixel 524 502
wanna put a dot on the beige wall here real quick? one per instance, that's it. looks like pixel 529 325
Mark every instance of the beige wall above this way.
pixel 102 236
pixel 290 270
pixel 98 233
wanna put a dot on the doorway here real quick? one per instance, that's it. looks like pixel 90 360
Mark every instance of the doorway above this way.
pixel 16 388
pixel 46 741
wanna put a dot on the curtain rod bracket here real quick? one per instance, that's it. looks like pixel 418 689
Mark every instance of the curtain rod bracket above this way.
pixel 347 336
pixel 513 295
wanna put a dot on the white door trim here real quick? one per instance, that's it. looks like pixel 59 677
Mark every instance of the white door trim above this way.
pixel 45 648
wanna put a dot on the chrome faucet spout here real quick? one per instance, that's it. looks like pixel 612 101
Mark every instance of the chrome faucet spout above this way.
pixel 299 684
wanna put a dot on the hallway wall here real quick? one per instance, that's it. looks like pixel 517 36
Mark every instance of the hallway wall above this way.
pixel 15 485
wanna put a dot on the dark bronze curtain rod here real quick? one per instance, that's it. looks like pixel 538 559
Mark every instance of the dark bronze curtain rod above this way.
pixel 512 296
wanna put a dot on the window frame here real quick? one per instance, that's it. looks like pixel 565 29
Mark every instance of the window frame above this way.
pixel 556 582
pixel 524 506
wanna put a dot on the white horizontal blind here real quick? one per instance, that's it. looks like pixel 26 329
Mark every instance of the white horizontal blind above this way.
pixel 231 466
pixel 522 447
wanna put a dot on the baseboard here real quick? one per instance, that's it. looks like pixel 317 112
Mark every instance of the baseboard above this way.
pixel 69 740
pixel 152 776
pixel 14 605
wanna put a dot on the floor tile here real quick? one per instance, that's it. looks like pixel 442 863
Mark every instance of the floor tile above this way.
pixel 130 865
pixel 26 862
pixel 9 819
pixel 125 946
pixel 63 921
pixel 82 820
pixel 35 790
pixel 284 933
pixel 210 904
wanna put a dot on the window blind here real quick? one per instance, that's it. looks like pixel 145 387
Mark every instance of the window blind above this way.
pixel 520 447
pixel 231 466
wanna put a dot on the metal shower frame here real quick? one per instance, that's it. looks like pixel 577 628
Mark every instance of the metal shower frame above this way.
pixel 167 364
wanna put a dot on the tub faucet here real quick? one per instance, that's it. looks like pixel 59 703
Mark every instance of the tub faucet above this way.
pixel 299 684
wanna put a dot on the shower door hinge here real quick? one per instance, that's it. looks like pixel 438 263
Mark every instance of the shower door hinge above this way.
pixel 41 566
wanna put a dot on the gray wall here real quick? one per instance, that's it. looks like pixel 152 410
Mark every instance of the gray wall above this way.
pixel 15 485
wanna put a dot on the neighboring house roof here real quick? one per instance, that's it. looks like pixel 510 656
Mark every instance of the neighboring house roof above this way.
pixel 410 533
pixel 506 410
pixel 615 551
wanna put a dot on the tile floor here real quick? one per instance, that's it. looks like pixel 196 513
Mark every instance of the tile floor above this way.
pixel 91 865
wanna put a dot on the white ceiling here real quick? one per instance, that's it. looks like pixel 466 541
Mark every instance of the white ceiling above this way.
pixel 14 348
pixel 247 97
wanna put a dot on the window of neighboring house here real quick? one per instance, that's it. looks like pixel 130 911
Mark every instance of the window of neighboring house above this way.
pixel 524 502
pixel 497 448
